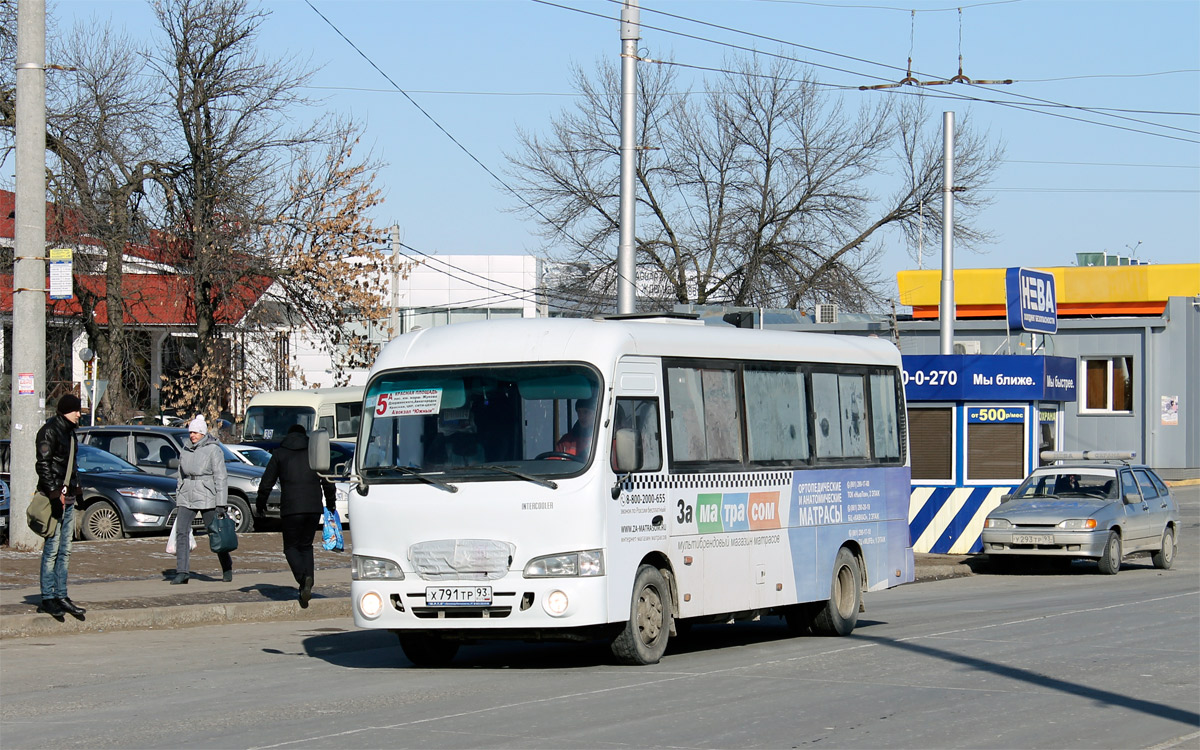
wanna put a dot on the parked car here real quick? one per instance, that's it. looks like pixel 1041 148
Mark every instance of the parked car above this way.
pixel 156 450
pixel 1092 505
pixel 250 454
pixel 118 498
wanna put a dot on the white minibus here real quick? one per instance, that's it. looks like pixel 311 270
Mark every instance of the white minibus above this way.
pixel 619 479
pixel 338 411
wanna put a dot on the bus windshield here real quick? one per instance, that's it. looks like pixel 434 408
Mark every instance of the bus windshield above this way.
pixel 480 422
pixel 272 422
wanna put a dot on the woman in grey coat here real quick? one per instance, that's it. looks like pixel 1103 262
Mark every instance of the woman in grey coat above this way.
pixel 203 489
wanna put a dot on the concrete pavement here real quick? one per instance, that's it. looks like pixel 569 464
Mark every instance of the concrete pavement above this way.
pixel 124 586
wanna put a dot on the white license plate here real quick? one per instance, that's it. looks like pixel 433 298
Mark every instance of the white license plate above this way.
pixel 458 596
pixel 3 520
pixel 1033 539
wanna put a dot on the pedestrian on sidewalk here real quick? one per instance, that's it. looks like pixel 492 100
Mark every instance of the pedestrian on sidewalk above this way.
pixel 203 489
pixel 58 479
pixel 300 508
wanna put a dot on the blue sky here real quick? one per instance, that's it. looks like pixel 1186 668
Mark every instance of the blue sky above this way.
pixel 483 68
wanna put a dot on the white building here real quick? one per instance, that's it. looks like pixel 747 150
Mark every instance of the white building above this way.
pixel 432 290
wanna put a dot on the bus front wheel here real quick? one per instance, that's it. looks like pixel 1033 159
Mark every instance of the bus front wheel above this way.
pixel 426 650
pixel 839 615
pixel 644 637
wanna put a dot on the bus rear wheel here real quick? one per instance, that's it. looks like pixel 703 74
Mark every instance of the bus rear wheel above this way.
pixel 644 637
pixel 839 615
pixel 427 650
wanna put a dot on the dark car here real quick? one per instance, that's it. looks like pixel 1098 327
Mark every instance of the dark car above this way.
pixel 1096 505
pixel 156 450
pixel 118 498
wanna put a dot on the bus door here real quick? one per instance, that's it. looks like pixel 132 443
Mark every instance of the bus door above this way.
pixel 639 512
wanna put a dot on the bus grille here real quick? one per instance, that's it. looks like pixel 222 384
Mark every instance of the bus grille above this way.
pixel 462 559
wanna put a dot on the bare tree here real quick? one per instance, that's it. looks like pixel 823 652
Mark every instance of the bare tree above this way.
pixel 761 191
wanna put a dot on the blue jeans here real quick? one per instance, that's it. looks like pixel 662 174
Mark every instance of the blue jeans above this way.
pixel 56 553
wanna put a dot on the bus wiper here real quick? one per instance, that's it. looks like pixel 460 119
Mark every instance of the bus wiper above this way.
pixel 408 470
pixel 521 475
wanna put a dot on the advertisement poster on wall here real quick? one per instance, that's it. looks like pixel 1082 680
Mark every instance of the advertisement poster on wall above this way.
pixel 1170 410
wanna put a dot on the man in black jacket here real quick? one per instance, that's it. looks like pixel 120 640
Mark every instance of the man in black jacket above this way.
pixel 300 509
pixel 58 479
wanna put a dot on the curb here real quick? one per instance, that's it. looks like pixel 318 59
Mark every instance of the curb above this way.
pixel 183 616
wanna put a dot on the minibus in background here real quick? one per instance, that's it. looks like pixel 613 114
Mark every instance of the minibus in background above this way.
pixel 622 478
pixel 338 411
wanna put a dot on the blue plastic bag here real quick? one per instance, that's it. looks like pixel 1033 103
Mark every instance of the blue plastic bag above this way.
pixel 331 537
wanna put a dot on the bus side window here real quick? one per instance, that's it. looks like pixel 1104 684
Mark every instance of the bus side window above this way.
pixel 636 435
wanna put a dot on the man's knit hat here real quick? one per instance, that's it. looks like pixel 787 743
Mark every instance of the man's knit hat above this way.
pixel 69 403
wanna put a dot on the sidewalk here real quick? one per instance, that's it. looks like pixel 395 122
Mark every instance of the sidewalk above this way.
pixel 124 586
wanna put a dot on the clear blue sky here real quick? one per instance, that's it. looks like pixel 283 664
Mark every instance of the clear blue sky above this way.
pixel 483 68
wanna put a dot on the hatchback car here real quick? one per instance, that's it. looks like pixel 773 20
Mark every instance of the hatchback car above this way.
pixel 1090 505
pixel 118 498
pixel 156 450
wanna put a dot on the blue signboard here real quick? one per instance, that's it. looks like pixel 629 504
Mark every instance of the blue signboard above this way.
pixel 1031 300
pixel 988 377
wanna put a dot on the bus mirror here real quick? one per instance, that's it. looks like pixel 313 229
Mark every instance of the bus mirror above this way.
pixel 318 451
pixel 625 451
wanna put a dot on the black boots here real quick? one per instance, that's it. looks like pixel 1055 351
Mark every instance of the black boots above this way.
pixel 179 578
pixel 51 607
pixel 71 607
pixel 306 591
pixel 226 575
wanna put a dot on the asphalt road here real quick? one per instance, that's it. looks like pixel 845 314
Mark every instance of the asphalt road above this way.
pixel 1047 659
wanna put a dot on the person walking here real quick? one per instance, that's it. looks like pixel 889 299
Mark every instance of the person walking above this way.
pixel 203 489
pixel 300 506
pixel 58 479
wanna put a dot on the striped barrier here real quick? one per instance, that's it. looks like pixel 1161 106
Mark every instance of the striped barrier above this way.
pixel 949 520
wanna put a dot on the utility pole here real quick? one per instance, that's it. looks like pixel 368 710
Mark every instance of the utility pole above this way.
pixel 29 268
pixel 626 262
pixel 394 316
pixel 946 311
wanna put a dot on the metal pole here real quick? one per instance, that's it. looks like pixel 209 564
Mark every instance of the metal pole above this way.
pixel 394 317
pixel 29 268
pixel 626 266
pixel 946 308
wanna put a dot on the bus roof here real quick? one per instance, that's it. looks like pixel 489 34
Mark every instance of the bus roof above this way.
pixel 603 341
pixel 307 397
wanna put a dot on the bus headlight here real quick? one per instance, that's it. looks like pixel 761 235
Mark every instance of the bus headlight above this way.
pixel 374 569
pixel 371 605
pixel 555 603
pixel 567 565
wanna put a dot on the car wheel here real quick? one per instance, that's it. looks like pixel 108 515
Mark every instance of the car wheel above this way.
pixel 426 650
pixel 839 615
pixel 1165 555
pixel 101 521
pixel 1110 561
pixel 239 510
pixel 643 640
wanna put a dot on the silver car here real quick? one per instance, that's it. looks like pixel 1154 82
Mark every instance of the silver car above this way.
pixel 1100 509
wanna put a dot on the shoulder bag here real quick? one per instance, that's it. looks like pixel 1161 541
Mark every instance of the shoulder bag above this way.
pixel 222 534
pixel 40 513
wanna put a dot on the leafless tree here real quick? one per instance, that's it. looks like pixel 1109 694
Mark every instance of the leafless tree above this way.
pixel 762 190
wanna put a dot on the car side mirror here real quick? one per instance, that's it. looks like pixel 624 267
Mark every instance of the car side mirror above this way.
pixel 318 451
pixel 1005 498
pixel 1132 498
pixel 173 463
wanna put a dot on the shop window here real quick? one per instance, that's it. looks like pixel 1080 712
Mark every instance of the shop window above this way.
pixel 994 451
pixel 931 443
pixel 1108 385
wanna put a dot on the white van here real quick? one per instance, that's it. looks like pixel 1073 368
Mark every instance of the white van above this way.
pixel 336 410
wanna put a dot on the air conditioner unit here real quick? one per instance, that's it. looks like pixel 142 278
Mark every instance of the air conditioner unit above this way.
pixel 827 313
pixel 966 347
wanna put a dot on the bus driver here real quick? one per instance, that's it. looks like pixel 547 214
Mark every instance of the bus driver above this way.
pixel 577 440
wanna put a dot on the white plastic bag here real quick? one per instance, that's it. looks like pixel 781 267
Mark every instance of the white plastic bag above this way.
pixel 171 538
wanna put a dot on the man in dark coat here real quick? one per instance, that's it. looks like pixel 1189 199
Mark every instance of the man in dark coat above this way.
pixel 300 509
pixel 58 479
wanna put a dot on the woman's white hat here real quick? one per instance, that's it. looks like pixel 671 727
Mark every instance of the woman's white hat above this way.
pixel 198 425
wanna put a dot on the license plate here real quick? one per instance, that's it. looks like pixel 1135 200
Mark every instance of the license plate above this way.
pixel 1033 539
pixel 458 596
pixel 3 520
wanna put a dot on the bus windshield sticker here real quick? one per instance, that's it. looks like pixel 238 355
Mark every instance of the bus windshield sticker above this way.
pixel 409 403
